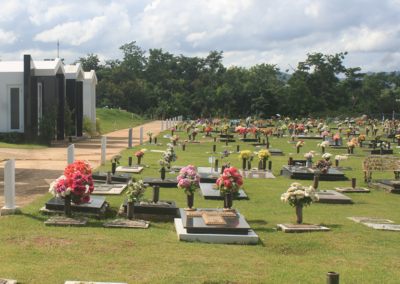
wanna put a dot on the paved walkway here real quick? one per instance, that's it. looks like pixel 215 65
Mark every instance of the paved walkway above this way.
pixel 35 169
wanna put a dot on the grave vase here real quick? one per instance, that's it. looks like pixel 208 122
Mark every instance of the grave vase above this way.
pixel 156 193
pixel 163 173
pixel 67 205
pixel 139 158
pixel 172 133
pixel 228 201
pixel 130 209
pixel 299 214
pixel 113 166
pixel 244 164
pixel 249 165
pixel 174 142
pixel 298 150
pixel 190 200
pixel 264 164
pixel 351 150
pixel 336 142
pixel 150 139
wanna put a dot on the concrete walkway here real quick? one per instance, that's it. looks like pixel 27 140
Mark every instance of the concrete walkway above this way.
pixel 35 169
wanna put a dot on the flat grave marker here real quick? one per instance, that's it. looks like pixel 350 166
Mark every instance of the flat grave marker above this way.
pixel 384 227
pixel 369 220
pixel 70 222
pixel 109 189
pixel 129 224
pixel 300 228
pixel 208 191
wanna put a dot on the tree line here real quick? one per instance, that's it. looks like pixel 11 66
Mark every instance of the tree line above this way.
pixel 165 84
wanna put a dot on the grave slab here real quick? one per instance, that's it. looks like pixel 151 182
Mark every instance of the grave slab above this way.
pixel 388 185
pixel 304 173
pixel 333 197
pixel 256 174
pixel 384 227
pixel 227 140
pixel 148 217
pixel 130 224
pixel 140 165
pixel 301 137
pixel 117 177
pixel 167 182
pixel 378 151
pixel 166 207
pixel 248 139
pixel 157 151
pixel 154 144
pixel 7 281
pixel 208 191
pixel 300 228
pixel 369 220
pixel 70 222
pixel 109 189
pixel 352 190
pixel 126 169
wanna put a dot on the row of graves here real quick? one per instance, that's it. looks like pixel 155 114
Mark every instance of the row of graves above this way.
pixel 82 192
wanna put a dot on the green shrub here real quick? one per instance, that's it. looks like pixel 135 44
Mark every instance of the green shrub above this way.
pixel 47 124
pixel 89 127
pixel 99 126
pixel 12 137
pixel 68 122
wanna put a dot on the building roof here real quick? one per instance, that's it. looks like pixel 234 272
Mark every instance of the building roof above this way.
pixel 74 72
pixel 42 68
pixel 90 77
pixel 11 66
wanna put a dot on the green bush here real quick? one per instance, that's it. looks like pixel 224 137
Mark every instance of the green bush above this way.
pixel 89 127
pixel 12 137
pixel 99 126
pixel 47 124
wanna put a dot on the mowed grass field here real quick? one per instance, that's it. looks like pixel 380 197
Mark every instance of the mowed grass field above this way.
pixel 33 253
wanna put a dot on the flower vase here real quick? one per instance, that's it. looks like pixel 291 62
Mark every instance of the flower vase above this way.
pixel 190 202
pixel 67 205
pixel 194 136
pixel 139 158
pixel 299 214
pixel 163 173
pixel 323 150
pixel 336 142
pixel 298 150
pixel 174 142
pixel 244 164
pixel 308 164
pixel 113 167
pixel 228 201
pixel 130 209
pixel 244 135
pixel 150 139
pixel 264 164
pixel 340 130
pixel 187 131
pixel 351 150
pixel 156 193
pixel 172 133
pixel 248 165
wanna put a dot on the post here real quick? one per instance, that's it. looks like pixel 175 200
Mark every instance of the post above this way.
pixel 141 135
pixel 71 154
pixel 103 150
pixel 315 184
pixel 130 139
pixel 162 125
pixel 332 278
pixel 9 189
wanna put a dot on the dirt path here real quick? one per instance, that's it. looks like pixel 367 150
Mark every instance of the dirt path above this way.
pixel 35 169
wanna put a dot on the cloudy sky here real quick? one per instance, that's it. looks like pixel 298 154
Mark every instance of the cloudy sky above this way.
pixel 249 32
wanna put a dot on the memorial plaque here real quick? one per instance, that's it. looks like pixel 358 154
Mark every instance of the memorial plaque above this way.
pixel 301 137
pixel 352 190
pixel 370 220
pixel 389 185
pixel 62 221
pixel 385 227
pixel 126 169
pixel 256 174
pixel 208 191
pixel 95 207
pixel 117 177
pixel 274 152
pixel 333 197
pixel 304 173
pixel 123 223
pixel 140 165
pixel 234 225
pixel 167 182
pixel 248 139
pixel 299 228
pixel 109 189
pixel 377 151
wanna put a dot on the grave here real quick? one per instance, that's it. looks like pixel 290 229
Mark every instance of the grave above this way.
pixel 167 182
pixel 96 207
pixel 117 177
pixel 248 139
pixel 173 169
pixel 300 228
pixel 369 220
pixel 255 173
pixel 7 281
pixel 210 170
pixel 301 137
pixel 70 222
pixel 226 140
pixel 129 224
pixel 304 173
pixel 335 144
pixel 352 190
pixel 162 211
pixel 384 227
pixel 214 226
pixel 377 151
pixel 389 185
pixel 333 197
pixel 127 169
pixel 209 191
pixel 274 152
pixel 108 189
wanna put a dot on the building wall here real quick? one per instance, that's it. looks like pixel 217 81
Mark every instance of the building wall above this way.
pixel 6 80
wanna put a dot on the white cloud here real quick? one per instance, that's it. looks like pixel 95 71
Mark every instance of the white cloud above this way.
pixel 38 17
pixel 7 37
pixel 74 33
pixel 196 38
pixel 152 5
pixel 9 9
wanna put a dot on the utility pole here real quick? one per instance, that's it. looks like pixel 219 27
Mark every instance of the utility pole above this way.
pixel 58 48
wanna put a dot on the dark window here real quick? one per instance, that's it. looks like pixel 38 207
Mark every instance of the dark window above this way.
pixel 14 108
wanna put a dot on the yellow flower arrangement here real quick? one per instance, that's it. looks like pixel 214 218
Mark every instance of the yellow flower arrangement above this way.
pixel 301 143
pixel 264 155
pixel 245 154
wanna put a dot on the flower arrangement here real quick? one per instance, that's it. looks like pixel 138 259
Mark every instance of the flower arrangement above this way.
pixel 325 133
pixel 397 136
pixel 141 153
pixel 115 158
pixel 352 143
pixel 268 131
pixel 208 130
pixel 323 144
pixel 174 138
pixel 225 153
pixel 299 195
pixel 309 157
pixel 246 154
pixel 256 131
pixel 323 165
pixel 162 163
pixel 136 190
pixel 77 182
pixel 336 137
pixel 172 129
pixel 361 137
pixel 263 155
pixel 301 143
pixel 341 157
pixel 326 156
pixel 230 182
pixel 188 179
pixel 150 133
pixel 348 131
pixel 169 155
pixel 226 128
pixel 382 144
pixel 261 121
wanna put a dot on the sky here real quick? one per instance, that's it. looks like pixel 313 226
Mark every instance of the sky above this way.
pixel 249 32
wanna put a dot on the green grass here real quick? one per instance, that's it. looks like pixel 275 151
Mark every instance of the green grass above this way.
pixel 124 119
pixel 34 253
pixel 22 146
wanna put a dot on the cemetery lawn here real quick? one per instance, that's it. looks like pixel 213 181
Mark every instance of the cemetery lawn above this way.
pixel 22 146
pixel 34 253
pixel 124 120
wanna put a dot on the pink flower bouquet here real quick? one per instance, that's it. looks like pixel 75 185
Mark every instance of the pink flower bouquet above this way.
pixel 188 179
pixel 230 182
